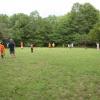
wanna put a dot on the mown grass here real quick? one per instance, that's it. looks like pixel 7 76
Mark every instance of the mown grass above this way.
pixel 51 74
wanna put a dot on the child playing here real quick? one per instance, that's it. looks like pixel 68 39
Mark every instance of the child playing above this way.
pixel 2 50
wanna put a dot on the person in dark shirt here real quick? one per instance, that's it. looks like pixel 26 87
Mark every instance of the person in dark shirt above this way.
pixel 32 46
pixel 12 48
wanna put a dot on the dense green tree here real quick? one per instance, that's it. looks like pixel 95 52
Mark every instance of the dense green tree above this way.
pixel 95 33
pixel 80 20
pixel 79 26
pixel 18 23
pixel 4 22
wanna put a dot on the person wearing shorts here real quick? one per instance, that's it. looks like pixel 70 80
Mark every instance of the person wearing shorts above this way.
pixel 2 50
pixel 12 48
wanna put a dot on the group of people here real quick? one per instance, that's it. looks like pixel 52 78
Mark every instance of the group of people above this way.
pixel 51 45
pixel 11 47
pixel 22 46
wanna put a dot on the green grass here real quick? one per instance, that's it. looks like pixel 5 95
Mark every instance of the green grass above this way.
pixel 51 74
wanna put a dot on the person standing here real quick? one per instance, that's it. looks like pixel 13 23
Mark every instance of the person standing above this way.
pixel 32 46
pixel 49 45
pixel 2 50
pixel 53 44
pixel 21 45
pixel 97 45
pixel 12 47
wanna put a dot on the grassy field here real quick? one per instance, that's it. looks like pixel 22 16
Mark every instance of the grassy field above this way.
pixel 51 74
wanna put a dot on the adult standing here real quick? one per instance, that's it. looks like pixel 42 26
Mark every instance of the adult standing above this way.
pixel 32 46
pixel 49 45
pixel 12 47
pixel 53 44
pixel 21 45
pixel 97 45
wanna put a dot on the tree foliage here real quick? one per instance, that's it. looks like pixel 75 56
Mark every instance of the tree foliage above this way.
pixel 80 25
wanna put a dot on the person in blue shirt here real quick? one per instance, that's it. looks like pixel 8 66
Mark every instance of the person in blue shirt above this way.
pixel 12 47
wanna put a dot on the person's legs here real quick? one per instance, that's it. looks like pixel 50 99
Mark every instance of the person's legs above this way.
pixel 31 50
pixel 2 55
pixel 12 53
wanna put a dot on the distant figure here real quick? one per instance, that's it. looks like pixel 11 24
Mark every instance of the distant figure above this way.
pixel 2 50
pixel 49 45
pixel 53 44
pixel 97 46
pixel 72 45
pixel 32 46
pixel 12 48
pixel 68 46
pixel 21 45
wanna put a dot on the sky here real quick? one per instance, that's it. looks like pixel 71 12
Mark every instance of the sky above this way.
pixel 44 7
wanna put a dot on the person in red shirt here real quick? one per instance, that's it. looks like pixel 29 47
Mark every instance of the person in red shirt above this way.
pixel 2 50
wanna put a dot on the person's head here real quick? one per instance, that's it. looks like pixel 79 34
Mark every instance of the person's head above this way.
pixel 1 42
pixel 11 40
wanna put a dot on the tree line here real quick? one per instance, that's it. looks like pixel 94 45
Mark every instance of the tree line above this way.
pixel 80 26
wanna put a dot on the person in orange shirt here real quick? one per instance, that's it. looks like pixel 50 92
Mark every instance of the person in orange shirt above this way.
pixel 21 45
pixel 49 45
pixel 2 50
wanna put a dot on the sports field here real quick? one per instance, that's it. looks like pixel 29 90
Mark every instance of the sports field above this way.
pixel 50 74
